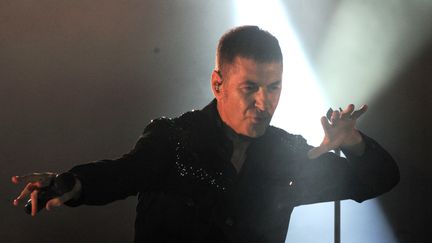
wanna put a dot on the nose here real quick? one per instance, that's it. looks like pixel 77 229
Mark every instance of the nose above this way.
pixel 261 99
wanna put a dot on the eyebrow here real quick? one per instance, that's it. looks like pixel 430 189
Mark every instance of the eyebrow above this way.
pixel 276 82
pixel 250 82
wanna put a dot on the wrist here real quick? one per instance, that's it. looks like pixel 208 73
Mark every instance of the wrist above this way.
pixel 355 144
pixel 353 139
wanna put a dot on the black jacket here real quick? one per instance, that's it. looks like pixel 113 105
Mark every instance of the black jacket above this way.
pixel 188 190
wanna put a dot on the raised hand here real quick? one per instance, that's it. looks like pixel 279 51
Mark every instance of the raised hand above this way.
pixel 340 132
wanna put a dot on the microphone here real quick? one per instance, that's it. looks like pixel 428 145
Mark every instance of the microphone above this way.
pixel 59 185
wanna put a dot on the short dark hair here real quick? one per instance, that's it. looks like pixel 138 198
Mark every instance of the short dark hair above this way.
pixel 248 42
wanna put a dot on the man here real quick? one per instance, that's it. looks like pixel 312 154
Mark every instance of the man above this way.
pixel 222 174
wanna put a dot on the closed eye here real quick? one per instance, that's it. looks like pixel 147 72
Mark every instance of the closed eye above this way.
pixel 249 87
pixel 275 86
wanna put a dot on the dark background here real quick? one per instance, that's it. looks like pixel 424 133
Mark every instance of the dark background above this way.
pixel 79 80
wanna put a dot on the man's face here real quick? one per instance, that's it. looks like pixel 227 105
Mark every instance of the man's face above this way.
pixel 248 94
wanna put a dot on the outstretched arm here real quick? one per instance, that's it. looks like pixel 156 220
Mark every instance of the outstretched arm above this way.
pixel 104 181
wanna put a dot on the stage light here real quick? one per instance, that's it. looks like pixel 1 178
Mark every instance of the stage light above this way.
pixel 300 107
pixel 367 44
pixel 365 222
pixel 303 103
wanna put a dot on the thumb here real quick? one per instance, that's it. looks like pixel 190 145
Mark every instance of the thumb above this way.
pixel 55 202
pixel 317 152
pixel 58 201
pixel 72 194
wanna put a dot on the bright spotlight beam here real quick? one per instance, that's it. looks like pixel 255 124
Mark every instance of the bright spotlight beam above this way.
pixel 300 108
pixel 302 104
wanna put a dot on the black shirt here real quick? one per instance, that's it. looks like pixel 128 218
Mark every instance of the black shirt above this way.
pixel 189 191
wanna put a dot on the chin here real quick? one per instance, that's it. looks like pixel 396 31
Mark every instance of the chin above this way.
pixel 256 132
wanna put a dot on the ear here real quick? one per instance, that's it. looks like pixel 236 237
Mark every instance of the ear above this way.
pixel 216 83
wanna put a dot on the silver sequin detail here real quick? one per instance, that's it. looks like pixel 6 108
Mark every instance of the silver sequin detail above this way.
pixel 185 168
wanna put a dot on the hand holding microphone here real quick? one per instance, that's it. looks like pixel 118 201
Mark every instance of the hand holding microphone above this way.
pixel 47 190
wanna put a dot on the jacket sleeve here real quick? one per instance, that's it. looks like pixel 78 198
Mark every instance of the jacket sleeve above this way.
pixel 105 181
pixel 330 177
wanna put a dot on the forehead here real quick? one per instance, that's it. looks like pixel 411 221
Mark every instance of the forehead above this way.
pixel 247 68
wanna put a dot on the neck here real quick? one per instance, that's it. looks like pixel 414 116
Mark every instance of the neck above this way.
pixel 236 137
pixel 240 145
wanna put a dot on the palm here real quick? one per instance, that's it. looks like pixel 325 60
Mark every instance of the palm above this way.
pixel 338 134
pixel 339 130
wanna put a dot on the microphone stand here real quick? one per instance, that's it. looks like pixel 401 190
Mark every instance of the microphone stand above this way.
pixel 337 214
